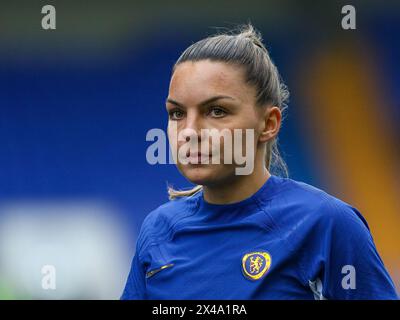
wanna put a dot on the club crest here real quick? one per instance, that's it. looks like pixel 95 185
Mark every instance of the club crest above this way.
pixel 256 264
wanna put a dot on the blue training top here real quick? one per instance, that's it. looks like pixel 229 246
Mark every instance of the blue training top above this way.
pixel 289 240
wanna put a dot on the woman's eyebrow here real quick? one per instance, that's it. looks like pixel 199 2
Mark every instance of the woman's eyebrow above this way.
pixel 203 103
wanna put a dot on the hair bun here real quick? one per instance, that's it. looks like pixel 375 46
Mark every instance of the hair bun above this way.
pixel 247 31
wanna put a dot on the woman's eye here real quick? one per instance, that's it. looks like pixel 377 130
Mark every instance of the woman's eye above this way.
pixel 217 112
pixel 176 114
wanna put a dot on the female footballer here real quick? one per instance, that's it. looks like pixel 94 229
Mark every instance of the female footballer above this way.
pixel 246 236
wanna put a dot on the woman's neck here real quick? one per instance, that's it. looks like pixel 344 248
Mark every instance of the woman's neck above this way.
pixel 238 189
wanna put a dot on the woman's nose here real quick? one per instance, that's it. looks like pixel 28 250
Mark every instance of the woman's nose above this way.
pixel 192 129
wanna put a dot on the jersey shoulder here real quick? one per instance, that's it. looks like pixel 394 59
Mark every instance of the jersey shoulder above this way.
pixel 158 225
pixel 307 203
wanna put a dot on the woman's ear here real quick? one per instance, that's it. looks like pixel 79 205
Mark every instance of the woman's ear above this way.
pixel 271 124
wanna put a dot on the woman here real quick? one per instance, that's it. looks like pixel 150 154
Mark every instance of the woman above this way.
pixel 254 235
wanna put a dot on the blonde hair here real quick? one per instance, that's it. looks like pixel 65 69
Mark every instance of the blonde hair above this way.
pixel 243 46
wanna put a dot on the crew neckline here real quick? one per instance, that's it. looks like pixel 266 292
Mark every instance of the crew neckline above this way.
pixel 265 192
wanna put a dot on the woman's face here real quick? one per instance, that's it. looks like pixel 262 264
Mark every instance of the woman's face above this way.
pixel 211 95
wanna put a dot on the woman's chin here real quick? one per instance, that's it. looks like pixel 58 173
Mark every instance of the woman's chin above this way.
pixel 199 174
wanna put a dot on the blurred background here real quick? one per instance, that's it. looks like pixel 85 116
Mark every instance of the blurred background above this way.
pixel 76 104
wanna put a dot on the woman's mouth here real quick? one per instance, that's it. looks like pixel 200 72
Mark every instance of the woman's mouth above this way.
pixel 198 158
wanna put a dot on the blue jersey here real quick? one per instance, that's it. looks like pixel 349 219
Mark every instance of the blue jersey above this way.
pixel 289 240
